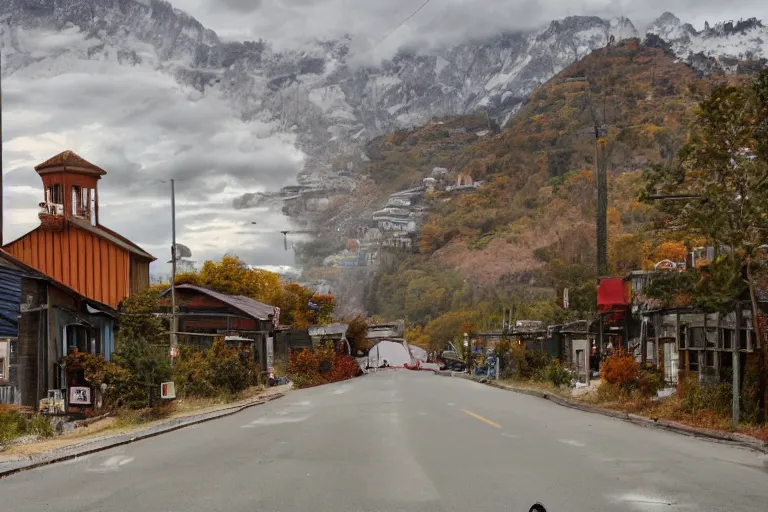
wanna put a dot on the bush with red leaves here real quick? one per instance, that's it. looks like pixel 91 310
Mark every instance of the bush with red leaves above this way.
pixel 620 369
pixel 323 366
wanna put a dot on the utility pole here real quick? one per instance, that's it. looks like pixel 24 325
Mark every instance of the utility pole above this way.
pixel 735 362
pixel 174 341
pixel 602 200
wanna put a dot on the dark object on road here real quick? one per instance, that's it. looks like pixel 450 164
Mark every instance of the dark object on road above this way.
pixel 537 507
pixel 385 364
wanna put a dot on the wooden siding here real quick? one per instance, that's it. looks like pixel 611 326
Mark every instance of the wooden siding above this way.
pixel 139 274
pixel 94 267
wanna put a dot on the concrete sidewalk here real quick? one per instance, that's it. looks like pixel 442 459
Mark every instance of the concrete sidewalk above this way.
pixel 98 443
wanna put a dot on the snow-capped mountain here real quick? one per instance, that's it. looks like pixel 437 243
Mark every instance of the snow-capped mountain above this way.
pixel 319 93
pixel 723 44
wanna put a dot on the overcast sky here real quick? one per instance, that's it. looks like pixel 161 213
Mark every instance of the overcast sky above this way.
pixel 143 128
pixel 288 22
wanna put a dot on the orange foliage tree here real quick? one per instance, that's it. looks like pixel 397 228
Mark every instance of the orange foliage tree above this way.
pixel 620 369
pixel 673 251
pixel 232 276
pixel 307 368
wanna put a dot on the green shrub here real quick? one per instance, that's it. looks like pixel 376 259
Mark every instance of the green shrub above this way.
pixel 650 381
pixel 40 425
pixel 696 398
pixel 221 370
pixel 608 392
pixel 558 375
pixel 13 425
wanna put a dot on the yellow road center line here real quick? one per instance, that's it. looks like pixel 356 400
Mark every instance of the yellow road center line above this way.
pixel 484 420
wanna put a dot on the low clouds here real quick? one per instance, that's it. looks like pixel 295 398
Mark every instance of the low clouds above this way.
pixel 127 114
pixel 143 128
pixel 290 23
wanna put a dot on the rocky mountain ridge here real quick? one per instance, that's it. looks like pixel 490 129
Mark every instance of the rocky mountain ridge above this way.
pixel 317 93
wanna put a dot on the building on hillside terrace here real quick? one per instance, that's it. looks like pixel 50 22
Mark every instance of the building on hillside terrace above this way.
pixel 398 241
pixel 439 173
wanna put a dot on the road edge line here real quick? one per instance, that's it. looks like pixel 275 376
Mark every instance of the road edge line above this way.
pixel 228 412
pixel 741 440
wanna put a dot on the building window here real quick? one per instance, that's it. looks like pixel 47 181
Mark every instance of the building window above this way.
pixel 696 339
pixel 75 200
pixel 5 356
pixel 728 339
pixel 77 336
pixel 54 194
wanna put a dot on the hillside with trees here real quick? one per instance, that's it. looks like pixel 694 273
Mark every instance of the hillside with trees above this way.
pixel 529 231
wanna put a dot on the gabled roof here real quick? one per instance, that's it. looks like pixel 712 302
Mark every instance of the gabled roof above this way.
pixel 69 161
pixel 248 306
pixel 111 236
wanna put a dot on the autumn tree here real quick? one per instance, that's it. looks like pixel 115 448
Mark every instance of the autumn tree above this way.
pixel 723 182
pixel 357 330
pixel 233 277
pixel 625 253
pixel 449 327
pixel 672 251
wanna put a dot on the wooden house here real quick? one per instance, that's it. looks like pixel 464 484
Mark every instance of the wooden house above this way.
pixel 71 246
pixel 41 321
pixel 65 280
pixel 202 314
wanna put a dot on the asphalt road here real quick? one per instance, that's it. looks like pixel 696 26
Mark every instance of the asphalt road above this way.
pixel 403 441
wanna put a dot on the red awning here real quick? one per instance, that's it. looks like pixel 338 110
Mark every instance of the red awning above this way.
pixel 612 295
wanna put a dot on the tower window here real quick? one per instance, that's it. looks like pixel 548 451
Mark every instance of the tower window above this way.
pixel 75 200
pixel 54 194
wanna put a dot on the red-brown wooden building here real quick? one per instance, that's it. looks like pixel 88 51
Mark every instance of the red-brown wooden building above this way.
pixel 71 246
pixel 72 274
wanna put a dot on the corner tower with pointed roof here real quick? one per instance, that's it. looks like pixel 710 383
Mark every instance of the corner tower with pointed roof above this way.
pixel 71 189
pixel 71 246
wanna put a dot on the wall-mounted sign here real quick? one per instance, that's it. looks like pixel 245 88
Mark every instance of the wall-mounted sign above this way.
pixel 167 390
pixel 79 395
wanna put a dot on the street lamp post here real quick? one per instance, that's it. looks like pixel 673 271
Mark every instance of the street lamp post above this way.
pixel 174 340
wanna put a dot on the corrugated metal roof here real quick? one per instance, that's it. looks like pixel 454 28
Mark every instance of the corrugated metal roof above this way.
pixel 113 237
pixel 10 301
pixel 250 307
pixel 7 261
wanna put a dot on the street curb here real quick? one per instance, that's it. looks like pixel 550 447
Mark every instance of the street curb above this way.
pixel 670 426
pixel 124 439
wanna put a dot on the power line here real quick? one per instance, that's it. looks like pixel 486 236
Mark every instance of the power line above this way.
pixel 414 13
